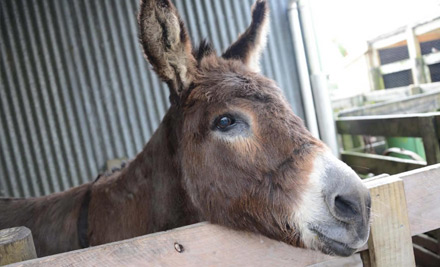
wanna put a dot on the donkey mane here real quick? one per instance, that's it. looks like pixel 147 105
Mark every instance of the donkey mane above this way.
pixel 205 49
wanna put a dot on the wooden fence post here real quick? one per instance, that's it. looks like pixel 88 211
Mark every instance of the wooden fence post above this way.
pixel 390 241
pixel 431 143
pixel 376 79
pixel 16 244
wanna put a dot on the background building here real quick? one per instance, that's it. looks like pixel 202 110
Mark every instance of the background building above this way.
pixel 408 55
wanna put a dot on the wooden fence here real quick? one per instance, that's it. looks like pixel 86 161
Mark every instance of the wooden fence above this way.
pixel 425 126
pixel 421 103
pixel 384 101
pixel 403 205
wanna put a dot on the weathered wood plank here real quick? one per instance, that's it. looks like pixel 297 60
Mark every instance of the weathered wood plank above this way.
pixel 202 244
pixel 437 126
pixel 390 237
pixel 352 261
pixel 422 189
pixel 426 241
pixel 392 94
pixel 213 245
pixel 400 65
pixel 425 257
pixel 16 244
pixel 431 143
pixel 426 95
pixel 383 125
pixel 365 256
pixel 369 163
pixel 427 102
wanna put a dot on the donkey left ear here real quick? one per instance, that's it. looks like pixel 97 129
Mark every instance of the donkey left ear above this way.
pixel 166 44
pixel 250 44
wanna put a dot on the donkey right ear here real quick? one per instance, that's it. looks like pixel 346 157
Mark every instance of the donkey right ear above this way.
pixel 166 43
pixel 250 44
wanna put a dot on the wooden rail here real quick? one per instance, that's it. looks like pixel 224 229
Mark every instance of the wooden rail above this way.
pixel 426 126
pixel 371 163
pixel 387 125
pixel 427 102
pixel 402 100
pixel 403 205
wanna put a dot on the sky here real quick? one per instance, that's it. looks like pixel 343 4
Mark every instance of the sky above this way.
pixel 350 23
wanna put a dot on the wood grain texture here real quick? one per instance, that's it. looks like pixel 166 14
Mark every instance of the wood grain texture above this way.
pixel 203 244
pixel 427 102
pixel 364 163
pixel 425 257
pixel 212 245
pixel 365 256
pixel 384 125
pixel 390 241
pixel 422 189
pixel 426 241
pixel 16 244
pixel 430 139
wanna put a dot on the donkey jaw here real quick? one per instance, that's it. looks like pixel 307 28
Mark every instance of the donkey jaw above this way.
pixel 335 211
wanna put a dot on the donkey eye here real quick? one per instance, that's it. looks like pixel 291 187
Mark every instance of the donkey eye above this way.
pixel 224 122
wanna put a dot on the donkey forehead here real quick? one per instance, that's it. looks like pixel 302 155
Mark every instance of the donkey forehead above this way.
pixel 226 80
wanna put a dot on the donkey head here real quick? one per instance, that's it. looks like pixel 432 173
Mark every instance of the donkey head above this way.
pixel 247 161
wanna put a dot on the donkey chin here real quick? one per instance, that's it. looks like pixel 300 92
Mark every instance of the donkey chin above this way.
pixel 336 218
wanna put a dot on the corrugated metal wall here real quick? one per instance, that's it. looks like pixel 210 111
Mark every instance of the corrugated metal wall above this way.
pixel 75 90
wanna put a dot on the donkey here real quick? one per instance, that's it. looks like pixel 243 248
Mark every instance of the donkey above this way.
pixel 229 150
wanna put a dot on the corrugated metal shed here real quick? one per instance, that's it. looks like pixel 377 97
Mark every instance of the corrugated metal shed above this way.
pixel 75 90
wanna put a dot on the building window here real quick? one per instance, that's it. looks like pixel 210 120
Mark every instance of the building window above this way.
pixel 398 79
pixel 390 55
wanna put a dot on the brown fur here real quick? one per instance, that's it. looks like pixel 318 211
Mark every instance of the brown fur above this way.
pixel 189 171
pixel 255 188
pixel 52 219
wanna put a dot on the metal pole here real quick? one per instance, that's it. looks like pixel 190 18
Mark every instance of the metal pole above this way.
pixel 303 71
pixel 313 80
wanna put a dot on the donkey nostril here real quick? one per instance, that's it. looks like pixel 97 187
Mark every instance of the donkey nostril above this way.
pixel 345 207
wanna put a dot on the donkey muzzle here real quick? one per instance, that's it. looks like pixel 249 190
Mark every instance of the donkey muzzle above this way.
pixel 348 204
